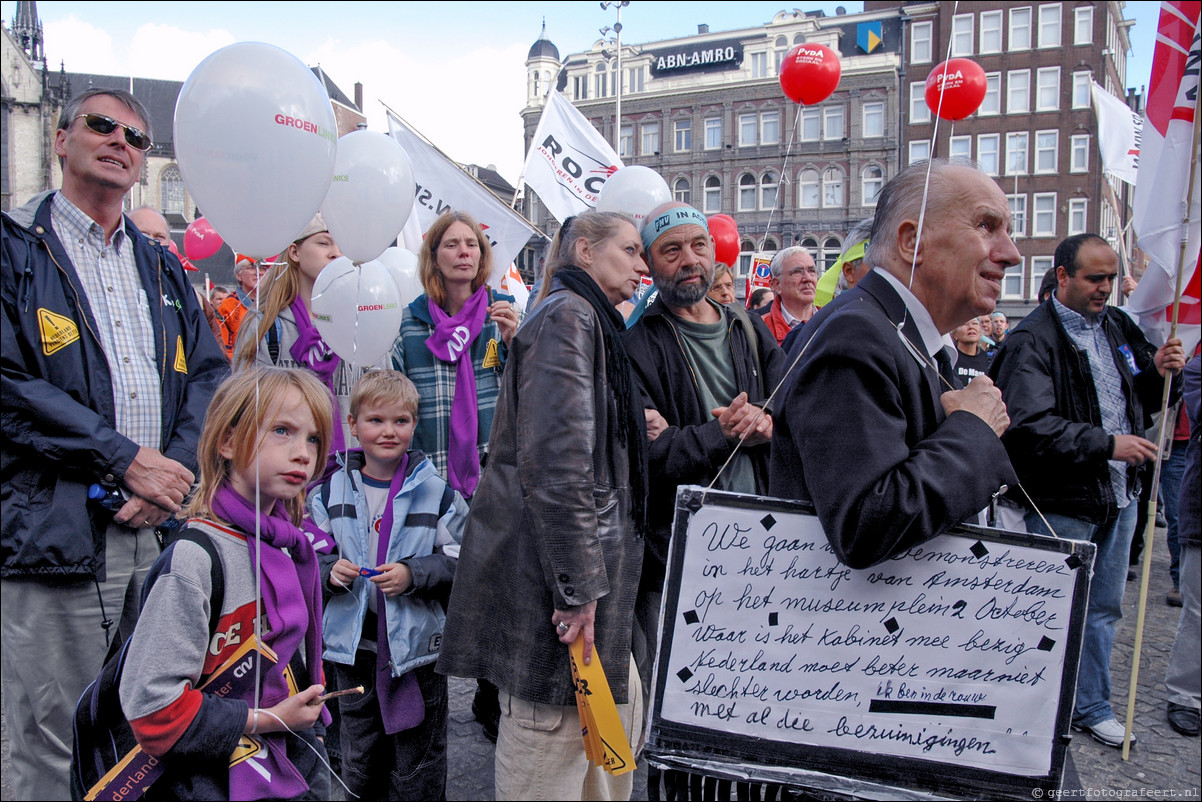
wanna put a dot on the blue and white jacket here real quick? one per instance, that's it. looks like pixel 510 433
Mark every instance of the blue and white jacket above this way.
pixel 425 505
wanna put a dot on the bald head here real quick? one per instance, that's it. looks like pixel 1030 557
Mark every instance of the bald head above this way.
pixel 152 224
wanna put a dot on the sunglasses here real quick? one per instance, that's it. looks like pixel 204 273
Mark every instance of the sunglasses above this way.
pixel 136 138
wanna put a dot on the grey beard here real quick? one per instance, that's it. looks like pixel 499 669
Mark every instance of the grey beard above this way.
pixel 678 296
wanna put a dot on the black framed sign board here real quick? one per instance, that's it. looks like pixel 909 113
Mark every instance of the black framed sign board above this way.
pixel 946 671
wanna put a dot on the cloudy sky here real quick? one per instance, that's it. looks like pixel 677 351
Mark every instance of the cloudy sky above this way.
pixel 455 71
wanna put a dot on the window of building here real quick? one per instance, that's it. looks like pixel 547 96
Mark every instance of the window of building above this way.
pixel 920 112
pixel 1047 89
pixel 874 119
pixel 745 250
pixel 811 124
pixel 962 25
pixel 1018 215
pixel 919 150
pixel 747 189
pixel 768 190
pixel 1018 91
pixel 1078 161
pixel 832 123
pixel 1049 26
pixel 1016 153
pixel 1047 151
pixel 626 141
pixel 713 195
pixel 634 79
pixel 992 103
pixel 769 244
pixel 987 153
pixel 759 65
pixel 682 191
pixel 872 180
pixel 1020 28
pixel 171 190
pixel 747 127
pixel 1012 282
pixel 807 189
pixel 831 248
pixel 1081 89
pixel 991 32
pixel 960 149
pixel 713 133
pixel 683 135
pixel 1077 212
pixel 832 188
pixel 770 128
pixel 1083 25
pixel 580 87
pixel 920 42
pixel 601 82
pixel 1044 218
pixel 779 49
pixel 1040 265
pixel 650 139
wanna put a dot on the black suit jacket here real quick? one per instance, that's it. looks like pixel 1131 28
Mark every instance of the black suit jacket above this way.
pixel 862 435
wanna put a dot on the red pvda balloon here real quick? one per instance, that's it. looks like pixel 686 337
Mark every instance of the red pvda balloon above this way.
pixel 961 83
pixel 201 240
pixel 725 232
pixel 810 73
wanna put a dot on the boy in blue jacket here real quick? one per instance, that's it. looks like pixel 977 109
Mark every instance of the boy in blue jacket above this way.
pixel 397 525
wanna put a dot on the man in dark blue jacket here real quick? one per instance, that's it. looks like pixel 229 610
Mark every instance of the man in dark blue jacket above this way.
pixel 107 367
pixel 1080 381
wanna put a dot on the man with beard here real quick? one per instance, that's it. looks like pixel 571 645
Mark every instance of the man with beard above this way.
pixel 705 369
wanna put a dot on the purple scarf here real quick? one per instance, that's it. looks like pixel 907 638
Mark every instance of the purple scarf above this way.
pixel 312 352
pixel 401 704
pixel 291 602
pixel 452 341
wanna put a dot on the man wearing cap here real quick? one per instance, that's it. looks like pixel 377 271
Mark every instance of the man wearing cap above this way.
pixel 706 369
pixel 905 453
pixel 107 369
pixel 247 272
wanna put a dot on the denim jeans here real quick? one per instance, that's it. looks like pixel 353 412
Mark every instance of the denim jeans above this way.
pixel 1171 471
pixel 1105 608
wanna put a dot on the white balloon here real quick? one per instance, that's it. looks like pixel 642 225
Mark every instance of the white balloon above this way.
pixel 402 264
pixel 371 194
pixel 635 190
pixel 357 310
pixel 255 138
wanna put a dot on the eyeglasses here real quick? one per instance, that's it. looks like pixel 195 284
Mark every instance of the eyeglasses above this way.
pixel 136 138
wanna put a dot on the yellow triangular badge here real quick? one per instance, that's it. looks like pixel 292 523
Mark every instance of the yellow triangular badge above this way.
pixel 57 331
pixel 247 748
pixel 492 357
pixel 181 364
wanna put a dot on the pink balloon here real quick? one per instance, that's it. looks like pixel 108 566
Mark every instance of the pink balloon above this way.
pixel 201 240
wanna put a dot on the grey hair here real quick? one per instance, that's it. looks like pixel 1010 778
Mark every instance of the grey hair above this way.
pixel 901 199
pixel 591 226
pixel 778 261
pixel 859 232
pixel 71 109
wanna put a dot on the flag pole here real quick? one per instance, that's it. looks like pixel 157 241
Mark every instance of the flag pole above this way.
pixel 1150 525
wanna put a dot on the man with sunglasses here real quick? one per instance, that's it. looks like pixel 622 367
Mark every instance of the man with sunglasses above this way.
pixel 107 369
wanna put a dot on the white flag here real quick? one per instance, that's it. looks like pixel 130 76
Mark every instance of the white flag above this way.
pixel 442 186
pixel 1119 132
pixel 569 161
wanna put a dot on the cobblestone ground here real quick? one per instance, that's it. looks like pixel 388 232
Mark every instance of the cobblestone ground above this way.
pixel 1163 765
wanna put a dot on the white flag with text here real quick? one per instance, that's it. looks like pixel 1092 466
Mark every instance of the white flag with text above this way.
pixel 1119 132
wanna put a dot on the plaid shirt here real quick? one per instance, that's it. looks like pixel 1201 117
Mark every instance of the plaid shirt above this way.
pixel 122 313
pixel 1088 334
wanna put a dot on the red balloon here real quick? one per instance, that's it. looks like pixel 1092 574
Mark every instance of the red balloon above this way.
pixel 810 73
pixel 960 82
pixel 201 240
pixel 725 232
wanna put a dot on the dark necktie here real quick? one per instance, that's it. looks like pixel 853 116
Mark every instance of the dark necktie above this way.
pixel 946 372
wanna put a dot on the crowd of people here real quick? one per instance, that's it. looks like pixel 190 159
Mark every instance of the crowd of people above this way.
pixel 502 486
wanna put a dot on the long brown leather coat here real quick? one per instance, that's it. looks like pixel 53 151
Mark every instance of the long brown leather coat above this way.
pixel 550 525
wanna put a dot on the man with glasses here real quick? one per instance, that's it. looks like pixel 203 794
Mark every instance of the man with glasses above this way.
pixel 1081 381
pixel 794 282
pixel 107 369
pixel 247 272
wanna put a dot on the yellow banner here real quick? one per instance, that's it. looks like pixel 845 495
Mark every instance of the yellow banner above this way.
pixel 605 741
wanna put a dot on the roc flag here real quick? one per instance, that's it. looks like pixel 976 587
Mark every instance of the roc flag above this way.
pixel 1164 178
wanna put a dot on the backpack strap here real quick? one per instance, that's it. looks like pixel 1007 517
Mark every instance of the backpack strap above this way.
pixel 216 573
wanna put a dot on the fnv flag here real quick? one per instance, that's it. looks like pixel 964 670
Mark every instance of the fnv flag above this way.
pixel 1164 177
pixel 569 161
pixel 442 186
pixel 1119 132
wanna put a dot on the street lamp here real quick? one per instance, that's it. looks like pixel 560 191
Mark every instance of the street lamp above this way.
pixel 617 32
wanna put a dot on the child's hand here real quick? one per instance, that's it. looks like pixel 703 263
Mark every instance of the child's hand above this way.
pixel 343 574
pixel 296 712
pixel 394 579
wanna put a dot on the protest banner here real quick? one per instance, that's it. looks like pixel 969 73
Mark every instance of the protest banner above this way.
pixel 777 663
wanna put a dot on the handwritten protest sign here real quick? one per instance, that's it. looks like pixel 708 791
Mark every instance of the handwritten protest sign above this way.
pixel 778 662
